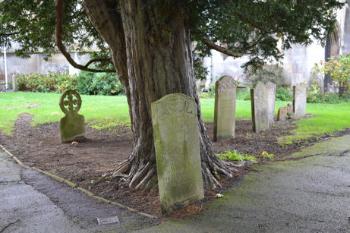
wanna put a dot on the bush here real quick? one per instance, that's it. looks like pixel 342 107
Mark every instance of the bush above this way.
pixel 86 83
pixel 53 82
pixel 339 69
pixel 314 95
pixel 243 93
pixel 329 98
pixel 99 84
pixel 284 94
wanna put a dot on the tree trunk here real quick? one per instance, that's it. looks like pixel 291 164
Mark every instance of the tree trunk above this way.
pixel 159 62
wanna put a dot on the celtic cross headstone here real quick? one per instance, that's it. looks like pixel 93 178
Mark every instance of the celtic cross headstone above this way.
pixel 72 124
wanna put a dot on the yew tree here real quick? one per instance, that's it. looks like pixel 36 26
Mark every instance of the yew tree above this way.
pixel 151 45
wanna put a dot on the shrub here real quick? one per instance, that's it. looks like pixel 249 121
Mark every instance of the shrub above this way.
pixel 53 82
pixel 86 83
pixel 99 84
pixel 243 93
pixel 284 94
pixel 329 98
pixel 236 156
pixel 339 69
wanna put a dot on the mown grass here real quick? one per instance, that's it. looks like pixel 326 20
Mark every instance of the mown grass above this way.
pixel 325 119
pixel 108 111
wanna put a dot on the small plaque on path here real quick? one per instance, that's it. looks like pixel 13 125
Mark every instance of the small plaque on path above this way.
pixel 108 220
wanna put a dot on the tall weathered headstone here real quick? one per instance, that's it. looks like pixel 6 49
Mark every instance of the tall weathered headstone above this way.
pixel 299 100
pixel 176 138
pixel 263 105
pixel 72 125
pixel 225 108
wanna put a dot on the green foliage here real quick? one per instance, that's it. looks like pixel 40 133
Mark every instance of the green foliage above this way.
pixel 200 72
pixel 99 84
pixel 236 156
pixel 266 155
pixel 284 94
pixel 315 95
pixel 52 82
pixel 86 83
pixel 243 94
pixel 339 69
pixel 329 98
pixel 314 91
pixel 245 27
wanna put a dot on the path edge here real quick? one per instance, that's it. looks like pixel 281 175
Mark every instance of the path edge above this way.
pixel 75 186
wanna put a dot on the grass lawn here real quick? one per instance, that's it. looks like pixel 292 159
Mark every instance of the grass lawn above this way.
pixel 326 118
pixel 108 111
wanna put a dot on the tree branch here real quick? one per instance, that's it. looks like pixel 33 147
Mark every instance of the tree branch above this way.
pixel 62 48
pixel 238 52
pixel 221 49
pixel 8 34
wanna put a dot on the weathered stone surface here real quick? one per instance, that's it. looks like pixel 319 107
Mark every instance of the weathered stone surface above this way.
pixel 225 108
pixel 72 125
pixel 282 114
pixel 263 106
pixel 176 138
pixel 285 113
pixel 299 100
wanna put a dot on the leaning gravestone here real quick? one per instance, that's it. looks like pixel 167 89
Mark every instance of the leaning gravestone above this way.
pixel 225 108
pixel 299 100
pixel 176 138
pixel 72 124
pixel 263 105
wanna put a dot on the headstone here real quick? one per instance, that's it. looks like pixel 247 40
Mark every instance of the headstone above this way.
pixel 176 138
pixel 282 114
pixel 72 124
pixel 225 108
pixel 263 106
pixel 299 100
pixel 285 113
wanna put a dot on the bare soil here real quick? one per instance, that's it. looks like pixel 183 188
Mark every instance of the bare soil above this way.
pixel 87 162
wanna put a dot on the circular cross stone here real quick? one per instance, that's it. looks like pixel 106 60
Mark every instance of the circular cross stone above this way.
pixel 70 102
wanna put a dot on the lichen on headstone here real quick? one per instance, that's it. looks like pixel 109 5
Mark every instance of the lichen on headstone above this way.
pixel 176 138
pixel 263 106
pixel 225 108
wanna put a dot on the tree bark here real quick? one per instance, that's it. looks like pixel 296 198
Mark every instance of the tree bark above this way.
pixel 158 62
